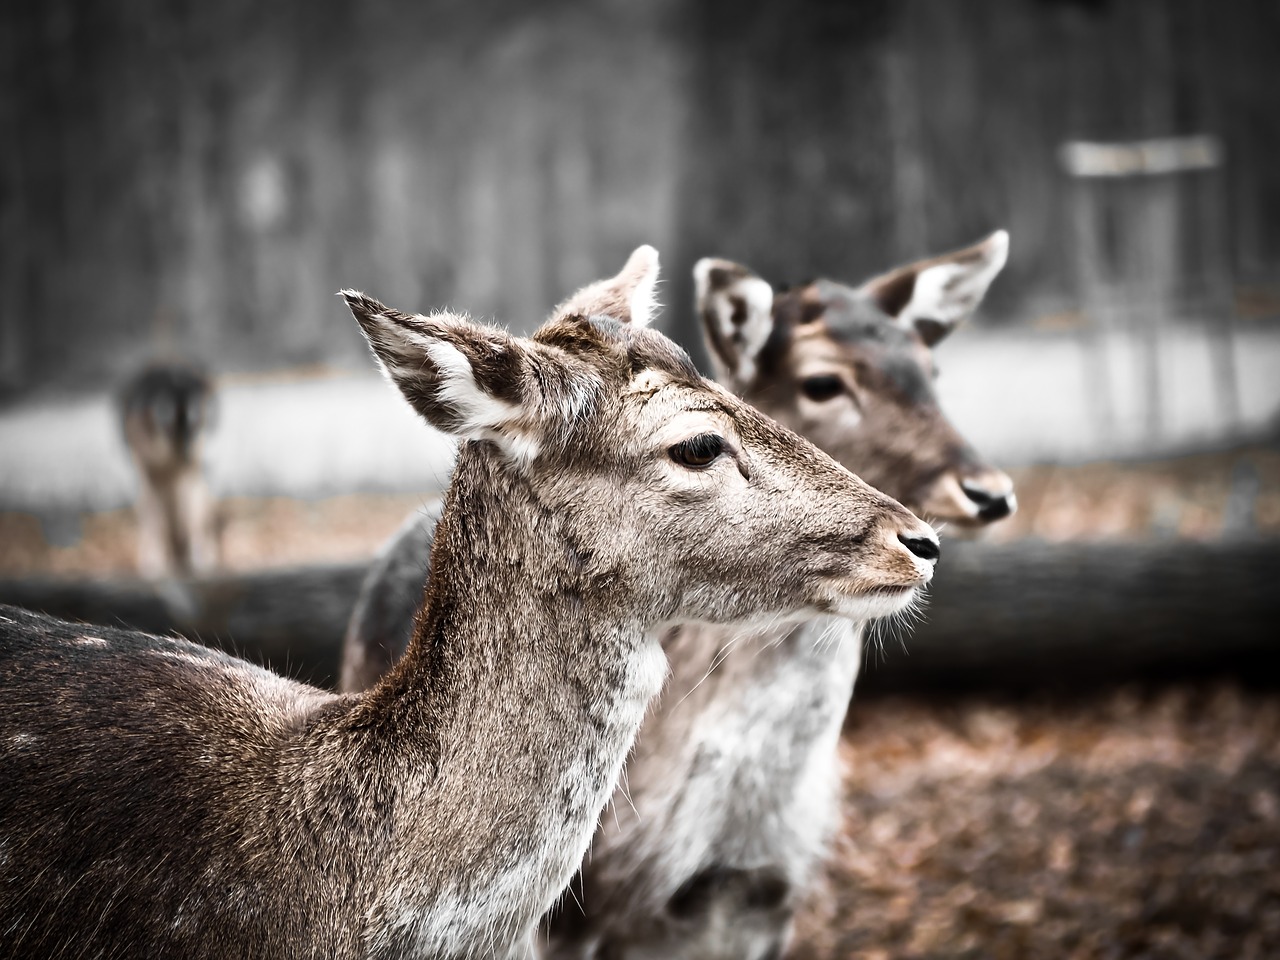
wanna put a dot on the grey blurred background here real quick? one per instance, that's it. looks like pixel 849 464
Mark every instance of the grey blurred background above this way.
pixel 196 180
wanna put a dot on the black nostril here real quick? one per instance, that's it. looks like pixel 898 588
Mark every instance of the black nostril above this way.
pixel 922 547
pixel 996 509
pixel 979 496
pixel 991 506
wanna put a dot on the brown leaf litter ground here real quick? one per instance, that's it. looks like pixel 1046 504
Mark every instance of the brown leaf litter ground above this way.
pixel 1134 823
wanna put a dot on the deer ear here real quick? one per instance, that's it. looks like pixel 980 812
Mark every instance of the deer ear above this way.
pixel 473 381
pixel 934 296
pixel 736 308
pixel 630 297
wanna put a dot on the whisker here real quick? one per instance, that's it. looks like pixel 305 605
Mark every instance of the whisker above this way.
pixel 718 659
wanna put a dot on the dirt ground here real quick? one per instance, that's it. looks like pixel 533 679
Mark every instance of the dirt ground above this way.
pixel 1133 823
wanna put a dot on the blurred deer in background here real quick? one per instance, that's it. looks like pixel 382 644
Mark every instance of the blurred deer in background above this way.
pixel 733 782
pixel 167 409
pixel 159 799
pixel 852 368
pixel 732 790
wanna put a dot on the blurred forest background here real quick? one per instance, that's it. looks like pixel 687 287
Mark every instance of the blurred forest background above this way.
pixel 201 177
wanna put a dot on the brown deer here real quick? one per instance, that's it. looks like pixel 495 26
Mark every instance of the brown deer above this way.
pixel 733 781
pixel 166 411
pixel 852 369
pixel 159 799
pixel 732 787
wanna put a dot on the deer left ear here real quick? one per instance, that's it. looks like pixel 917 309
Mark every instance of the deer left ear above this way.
pixel 477 382
pixel 935 296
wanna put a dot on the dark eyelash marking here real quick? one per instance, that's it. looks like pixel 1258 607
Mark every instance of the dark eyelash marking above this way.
pixel 697 452
pixel 822 388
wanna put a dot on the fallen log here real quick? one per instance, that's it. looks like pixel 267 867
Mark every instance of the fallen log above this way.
pixel 290 620
pixel 1030 614
pixel 1015 616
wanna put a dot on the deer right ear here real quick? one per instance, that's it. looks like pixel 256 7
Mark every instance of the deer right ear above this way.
pixel 736 308
pixel 935 296
pixel 473 381
pixel 630 297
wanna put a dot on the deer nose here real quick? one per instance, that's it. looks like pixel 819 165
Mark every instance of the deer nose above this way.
pixel 991 505
pixel 922 547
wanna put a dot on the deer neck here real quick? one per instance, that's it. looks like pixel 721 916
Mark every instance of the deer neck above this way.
pixel 817 659
pixel 517 701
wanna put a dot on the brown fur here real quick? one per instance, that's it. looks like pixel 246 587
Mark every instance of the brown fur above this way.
pixel 894 433
pixel 731 788
pixel 728 790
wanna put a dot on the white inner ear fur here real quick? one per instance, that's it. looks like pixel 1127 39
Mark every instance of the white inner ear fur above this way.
pixel 949 292
pixel 480 415
pixel 644 296
pixel 747 338
pixel 759 323
pixel 476 409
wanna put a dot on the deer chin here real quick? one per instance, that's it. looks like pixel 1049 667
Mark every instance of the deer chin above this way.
pixel 869 603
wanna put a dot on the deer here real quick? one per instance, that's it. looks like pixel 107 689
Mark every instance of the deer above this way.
pixel 166 411
pixel 730 792
pixel 158 798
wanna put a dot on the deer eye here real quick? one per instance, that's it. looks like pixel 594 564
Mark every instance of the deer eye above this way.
pixel 822 388
pixel 697 452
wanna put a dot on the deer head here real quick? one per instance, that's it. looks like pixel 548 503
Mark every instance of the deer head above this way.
pixel 852 369
pixel 166 410
pixel 679 499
